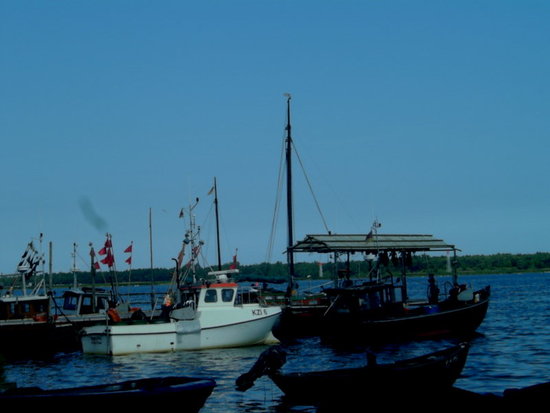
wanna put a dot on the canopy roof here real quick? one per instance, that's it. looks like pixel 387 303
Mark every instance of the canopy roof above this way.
pixel 369 243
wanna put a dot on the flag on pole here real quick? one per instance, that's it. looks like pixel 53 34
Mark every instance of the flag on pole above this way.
pixel 128 250
pixel 109 260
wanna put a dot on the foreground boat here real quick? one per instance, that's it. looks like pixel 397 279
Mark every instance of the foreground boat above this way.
pixel 421 375
pixel 189 393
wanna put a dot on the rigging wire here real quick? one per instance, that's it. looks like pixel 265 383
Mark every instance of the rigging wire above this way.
pixel 278 198
pixel 277 206
pixel 310 187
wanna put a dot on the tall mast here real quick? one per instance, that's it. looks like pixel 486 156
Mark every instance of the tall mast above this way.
pixel 74 265
pixel 217 224
pixel 288 141
pixel 92 271
pixel 151 261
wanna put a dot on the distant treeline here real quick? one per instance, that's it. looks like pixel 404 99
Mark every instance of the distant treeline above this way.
pixel 277 272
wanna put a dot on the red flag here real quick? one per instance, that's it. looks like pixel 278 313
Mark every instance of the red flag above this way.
pixel 108 260
pixel 108 243
pixel 180 256
pixel 96 265
pixel 102 251
pixel 129 260
pixel 129 249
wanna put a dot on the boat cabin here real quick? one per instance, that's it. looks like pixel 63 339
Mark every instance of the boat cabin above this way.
pixel 80 301
pixel 219 293
pixel 14 307
pixel 216 294
pixel 369 297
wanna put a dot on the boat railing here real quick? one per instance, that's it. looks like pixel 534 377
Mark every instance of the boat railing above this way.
pixel 248 296
pixel 317 287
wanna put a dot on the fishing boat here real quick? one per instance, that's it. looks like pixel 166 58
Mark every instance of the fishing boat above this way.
pixel 215 315
pixel 379 308
pixel 25 312
pixel 30 311
pixel 419 376
pixel 197 314
pixel 189 393
pixel 86 305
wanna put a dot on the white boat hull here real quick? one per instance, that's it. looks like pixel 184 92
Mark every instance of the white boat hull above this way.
pixel 240 326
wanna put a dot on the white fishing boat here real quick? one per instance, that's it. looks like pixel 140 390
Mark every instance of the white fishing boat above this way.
pixel 211 313
pixel 215 315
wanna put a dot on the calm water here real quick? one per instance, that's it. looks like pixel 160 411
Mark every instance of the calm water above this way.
pixel 512 350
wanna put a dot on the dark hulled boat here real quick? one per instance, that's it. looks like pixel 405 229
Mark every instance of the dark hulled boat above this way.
pixel 379 308
pixel 430 373
pixel 189 393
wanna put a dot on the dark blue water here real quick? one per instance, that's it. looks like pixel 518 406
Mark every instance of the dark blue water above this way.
pixel 511 350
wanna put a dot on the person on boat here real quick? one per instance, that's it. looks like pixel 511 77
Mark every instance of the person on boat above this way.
pixel 433 290
pixel 167 306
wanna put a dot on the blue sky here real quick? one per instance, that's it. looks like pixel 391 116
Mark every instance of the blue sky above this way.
pixel 430 116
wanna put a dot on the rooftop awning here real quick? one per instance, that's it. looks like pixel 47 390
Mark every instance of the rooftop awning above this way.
pixel 369 243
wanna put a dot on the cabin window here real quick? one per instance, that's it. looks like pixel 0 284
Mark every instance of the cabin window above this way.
pixel 211 296
pixel 25 308
pixel 227 295
pixel 86 307
pixel 70 302
pixel 102 304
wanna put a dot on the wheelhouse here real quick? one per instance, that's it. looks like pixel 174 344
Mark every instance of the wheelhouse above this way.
pixel 24 307
pixel 86 301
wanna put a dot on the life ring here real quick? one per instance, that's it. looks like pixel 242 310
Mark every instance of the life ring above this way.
pixel 113 315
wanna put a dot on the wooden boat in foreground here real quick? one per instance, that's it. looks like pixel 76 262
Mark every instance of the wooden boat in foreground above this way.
pixel 190 394
pixel 430 373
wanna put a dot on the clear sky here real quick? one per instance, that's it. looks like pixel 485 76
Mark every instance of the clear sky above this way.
pixel 431 116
